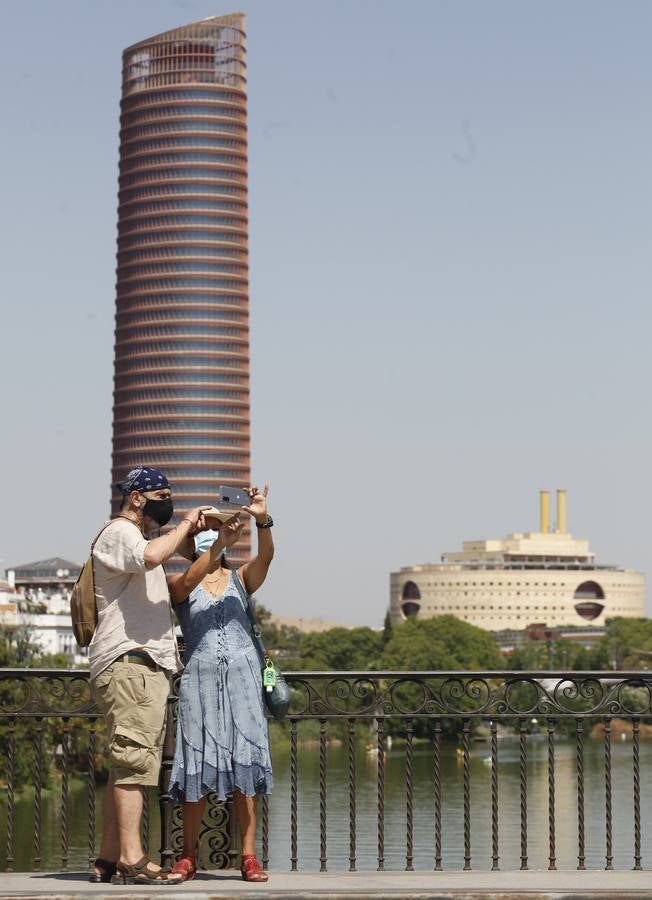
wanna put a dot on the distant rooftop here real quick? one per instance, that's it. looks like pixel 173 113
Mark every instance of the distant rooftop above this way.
pixel 44 570
pixel 307 624
pixel 546 548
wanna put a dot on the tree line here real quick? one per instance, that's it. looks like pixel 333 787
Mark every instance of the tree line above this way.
pixel 447 643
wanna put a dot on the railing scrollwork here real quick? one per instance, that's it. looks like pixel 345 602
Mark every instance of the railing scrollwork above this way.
pixel 47 717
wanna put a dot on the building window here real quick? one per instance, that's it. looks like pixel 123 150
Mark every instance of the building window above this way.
pixel 587 596
pixel 410 599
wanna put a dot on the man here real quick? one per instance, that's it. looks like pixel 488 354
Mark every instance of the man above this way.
pixel 132 654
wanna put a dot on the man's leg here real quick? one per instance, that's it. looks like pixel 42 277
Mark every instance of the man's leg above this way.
pixel 129 810
pixel 110 848
pixel 135 699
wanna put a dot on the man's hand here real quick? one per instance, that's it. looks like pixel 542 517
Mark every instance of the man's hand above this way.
pixel 229 533
pixel 258 505
pixel 196 518
pixel 160 549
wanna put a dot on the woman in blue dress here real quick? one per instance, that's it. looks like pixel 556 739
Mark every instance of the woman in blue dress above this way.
pixel 222 743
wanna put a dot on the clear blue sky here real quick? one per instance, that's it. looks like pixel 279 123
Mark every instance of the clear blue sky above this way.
pixel 450 277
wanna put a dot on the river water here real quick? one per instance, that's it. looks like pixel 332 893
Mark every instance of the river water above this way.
pixel 395 810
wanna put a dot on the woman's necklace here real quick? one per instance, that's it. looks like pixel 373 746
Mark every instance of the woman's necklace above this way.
pixel 210 583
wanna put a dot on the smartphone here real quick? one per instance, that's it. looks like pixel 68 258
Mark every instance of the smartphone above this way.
pixel 233 497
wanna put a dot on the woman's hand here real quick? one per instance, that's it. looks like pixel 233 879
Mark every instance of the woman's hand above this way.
pixel 258 504
pixel 229 533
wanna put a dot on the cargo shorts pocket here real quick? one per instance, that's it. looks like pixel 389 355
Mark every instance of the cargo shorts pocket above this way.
pixel 131 750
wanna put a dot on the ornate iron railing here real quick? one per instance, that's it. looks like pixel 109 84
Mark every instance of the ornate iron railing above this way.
pixel 38 707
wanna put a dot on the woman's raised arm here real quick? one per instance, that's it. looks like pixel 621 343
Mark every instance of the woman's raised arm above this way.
pixel 181 585
pixel 254 572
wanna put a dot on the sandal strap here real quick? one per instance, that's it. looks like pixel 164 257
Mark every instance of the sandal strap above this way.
pixel 142 868
pixel 251 866
pixel 136 867
pixel 185 865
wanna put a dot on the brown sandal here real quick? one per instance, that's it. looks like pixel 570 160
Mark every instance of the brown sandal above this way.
pixel 140 873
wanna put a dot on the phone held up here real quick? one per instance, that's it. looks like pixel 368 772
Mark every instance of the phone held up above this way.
pixel 233 498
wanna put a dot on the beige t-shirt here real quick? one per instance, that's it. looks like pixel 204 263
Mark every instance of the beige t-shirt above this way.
pixel 133 603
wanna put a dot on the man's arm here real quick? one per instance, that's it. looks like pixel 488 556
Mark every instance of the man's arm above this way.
pixel 187 547
pixel 160 549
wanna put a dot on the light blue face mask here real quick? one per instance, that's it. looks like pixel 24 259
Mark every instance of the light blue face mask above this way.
pixel 205 540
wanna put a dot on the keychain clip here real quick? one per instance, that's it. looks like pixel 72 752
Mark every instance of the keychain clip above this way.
pixel 269 676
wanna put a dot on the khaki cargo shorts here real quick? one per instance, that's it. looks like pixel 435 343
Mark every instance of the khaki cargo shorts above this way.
pixel 132 698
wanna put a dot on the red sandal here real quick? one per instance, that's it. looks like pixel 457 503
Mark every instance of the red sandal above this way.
pixel 186 867
pixel 251 869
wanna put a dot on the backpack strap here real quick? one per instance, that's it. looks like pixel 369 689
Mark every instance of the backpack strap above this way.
pixel 105 526
pixel 97 537
pixel 245 599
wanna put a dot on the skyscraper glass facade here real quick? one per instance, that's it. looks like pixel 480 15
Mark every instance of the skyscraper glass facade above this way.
pixel 181 378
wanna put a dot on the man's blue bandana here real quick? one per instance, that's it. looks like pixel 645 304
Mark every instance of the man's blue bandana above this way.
pixel 143 479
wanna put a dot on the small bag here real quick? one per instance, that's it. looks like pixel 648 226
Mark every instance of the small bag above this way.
pixel 83 609
pixel 276 689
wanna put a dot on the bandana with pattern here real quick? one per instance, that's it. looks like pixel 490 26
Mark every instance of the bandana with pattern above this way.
pixel 143 479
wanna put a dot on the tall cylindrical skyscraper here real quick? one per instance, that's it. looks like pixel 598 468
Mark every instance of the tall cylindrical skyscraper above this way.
pixel 181 379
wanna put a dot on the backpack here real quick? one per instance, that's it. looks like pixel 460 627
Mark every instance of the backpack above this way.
pixel 83 609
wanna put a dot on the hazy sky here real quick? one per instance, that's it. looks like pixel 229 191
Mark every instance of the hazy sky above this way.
pixel 450 277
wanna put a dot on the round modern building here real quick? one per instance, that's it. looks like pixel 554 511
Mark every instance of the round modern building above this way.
pixel 539 577
pixel 181 385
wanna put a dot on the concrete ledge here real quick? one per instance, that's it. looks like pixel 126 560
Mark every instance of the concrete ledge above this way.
pixel 420 885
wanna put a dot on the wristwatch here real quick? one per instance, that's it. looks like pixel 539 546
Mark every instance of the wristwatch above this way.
pixel 267 523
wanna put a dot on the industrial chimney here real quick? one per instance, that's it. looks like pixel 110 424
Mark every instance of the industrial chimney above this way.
pixel 561 512
pixel 544 506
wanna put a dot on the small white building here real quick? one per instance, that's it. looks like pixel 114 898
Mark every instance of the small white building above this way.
pixel 36 596
pixel 537 577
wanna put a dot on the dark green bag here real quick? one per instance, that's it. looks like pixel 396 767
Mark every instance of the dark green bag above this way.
pixel 276 689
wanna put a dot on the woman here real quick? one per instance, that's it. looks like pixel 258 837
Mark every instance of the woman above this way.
pixel 222 741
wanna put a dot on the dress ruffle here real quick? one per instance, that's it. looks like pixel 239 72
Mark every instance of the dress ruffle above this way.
pixel 222 739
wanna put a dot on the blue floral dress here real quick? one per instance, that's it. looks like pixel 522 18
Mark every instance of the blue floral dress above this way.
pixel 222 741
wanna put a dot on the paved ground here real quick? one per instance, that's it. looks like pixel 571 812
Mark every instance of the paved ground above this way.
pixel 411 885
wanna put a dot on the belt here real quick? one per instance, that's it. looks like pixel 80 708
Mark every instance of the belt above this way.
pixel 139 657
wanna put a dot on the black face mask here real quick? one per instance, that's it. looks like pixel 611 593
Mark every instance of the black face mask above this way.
pixel 160 511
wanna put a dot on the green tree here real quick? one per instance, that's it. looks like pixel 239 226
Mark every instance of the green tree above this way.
pixel 18 650
pixel 341 649
pixel 627 643
pixel 283 641
pixel 560 654
pixel 388 629
pixel 442 642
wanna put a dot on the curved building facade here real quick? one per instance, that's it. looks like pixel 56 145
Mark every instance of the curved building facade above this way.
pixel 537 577
pixel 181 377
